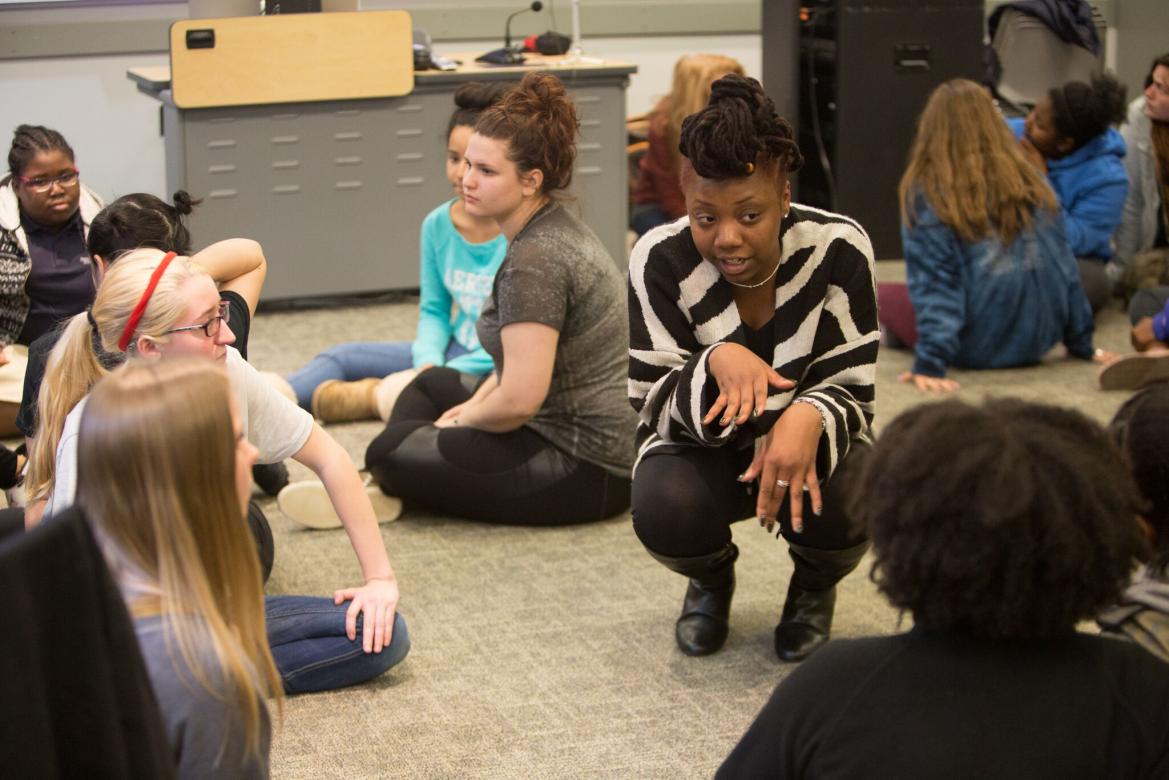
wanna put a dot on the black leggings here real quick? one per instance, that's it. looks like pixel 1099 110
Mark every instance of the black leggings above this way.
pixel 516 477
pixel 684 503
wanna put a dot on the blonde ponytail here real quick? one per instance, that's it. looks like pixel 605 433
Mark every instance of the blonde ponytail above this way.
pixel 71 371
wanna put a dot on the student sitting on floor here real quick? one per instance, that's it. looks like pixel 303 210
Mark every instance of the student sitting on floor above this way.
pixel 992 282
pixel 1141 431
pixel 460 255
pixel 238 268
pixel 547 438
pixel 164 476
pixel 1140 241
pixel 162 306
pixel 1068 137
pixel 1142 250
pixel 998 528
pixel 45 216
pixel 45 270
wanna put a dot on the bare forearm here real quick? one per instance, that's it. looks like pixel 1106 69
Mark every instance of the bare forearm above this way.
pixel 347 492
pixel 236 264
pixel 495 413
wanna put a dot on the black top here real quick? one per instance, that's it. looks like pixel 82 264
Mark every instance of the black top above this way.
pixel 935 705
pixel 240 320
pixel 761 342
pixel 60 276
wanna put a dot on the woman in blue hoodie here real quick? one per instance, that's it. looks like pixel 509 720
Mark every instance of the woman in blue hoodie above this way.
pixel 1068 137
pixel 991 279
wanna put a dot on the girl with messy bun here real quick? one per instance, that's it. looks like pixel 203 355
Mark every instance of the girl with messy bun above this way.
pixel 1069 136
pixel 545 439
pixel 460 254
pixel 752 357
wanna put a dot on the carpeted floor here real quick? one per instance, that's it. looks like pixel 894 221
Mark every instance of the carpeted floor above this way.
pixel 549 653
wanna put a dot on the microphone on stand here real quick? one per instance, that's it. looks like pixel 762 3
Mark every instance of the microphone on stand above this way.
pixel 535 6
pixel 507 55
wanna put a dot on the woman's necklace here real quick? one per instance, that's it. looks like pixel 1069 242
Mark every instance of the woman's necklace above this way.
pixel 759 284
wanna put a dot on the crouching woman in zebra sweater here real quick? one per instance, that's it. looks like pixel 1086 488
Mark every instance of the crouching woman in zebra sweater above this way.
pixel 753 348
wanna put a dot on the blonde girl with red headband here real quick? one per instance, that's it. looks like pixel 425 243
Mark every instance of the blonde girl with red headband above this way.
pixel 158 305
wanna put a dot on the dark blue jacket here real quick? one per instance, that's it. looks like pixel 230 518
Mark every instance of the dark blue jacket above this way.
pixel 987 305
pixel 1091 185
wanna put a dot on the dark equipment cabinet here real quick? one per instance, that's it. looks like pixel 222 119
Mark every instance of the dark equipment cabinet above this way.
pixel 852 77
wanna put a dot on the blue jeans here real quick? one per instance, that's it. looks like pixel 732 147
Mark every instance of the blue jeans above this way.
pixel 357 360
pixel 312 652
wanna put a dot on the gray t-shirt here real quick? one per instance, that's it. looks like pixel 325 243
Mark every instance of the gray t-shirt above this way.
pixel 558 273
pixel 205 731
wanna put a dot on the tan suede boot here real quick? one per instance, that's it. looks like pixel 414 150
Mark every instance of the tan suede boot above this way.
pixel 337 401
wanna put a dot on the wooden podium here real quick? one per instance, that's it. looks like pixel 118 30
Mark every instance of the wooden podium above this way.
pixel 256 60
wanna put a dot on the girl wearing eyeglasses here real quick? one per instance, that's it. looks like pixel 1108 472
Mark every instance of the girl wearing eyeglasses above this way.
pixel 45 272
pixel 44 218
pixel 162 306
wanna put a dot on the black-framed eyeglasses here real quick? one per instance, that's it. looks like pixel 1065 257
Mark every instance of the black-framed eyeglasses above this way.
pixel 211 327
pixel 45 183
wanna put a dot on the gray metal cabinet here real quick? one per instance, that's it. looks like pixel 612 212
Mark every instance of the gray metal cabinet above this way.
pixel 336 191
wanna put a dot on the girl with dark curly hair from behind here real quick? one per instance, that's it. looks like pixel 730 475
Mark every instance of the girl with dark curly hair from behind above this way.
pixel 752 359
pixel 998 549
pixel 1141 430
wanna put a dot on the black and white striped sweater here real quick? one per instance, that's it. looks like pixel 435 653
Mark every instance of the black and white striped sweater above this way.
pixel 826 334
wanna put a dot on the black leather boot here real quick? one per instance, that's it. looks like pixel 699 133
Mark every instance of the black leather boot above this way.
pixel 811 598
pixel 702 627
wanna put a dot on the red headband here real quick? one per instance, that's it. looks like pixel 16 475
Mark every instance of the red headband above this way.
pixel 140 309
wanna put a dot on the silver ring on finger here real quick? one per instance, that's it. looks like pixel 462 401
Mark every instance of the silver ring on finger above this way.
pixel 781 483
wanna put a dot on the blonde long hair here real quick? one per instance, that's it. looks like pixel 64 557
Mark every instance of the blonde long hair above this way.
pixel 690 91
pixel 73 368
pixel 156 460
pixel 970 168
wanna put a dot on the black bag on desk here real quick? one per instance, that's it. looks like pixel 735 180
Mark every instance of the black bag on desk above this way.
pixel 552 43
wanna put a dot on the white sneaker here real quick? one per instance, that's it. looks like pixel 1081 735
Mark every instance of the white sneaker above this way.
pixel 307 502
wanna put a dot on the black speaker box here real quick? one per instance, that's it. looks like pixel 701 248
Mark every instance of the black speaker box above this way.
pixel 852 77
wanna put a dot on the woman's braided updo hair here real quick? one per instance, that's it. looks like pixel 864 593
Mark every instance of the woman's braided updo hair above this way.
pixel 738 125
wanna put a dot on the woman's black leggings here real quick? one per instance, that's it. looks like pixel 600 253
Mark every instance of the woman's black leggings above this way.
pixel 684 503
pixel 516 477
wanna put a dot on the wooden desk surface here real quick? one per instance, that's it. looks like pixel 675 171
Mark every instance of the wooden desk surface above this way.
pixel 154 79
